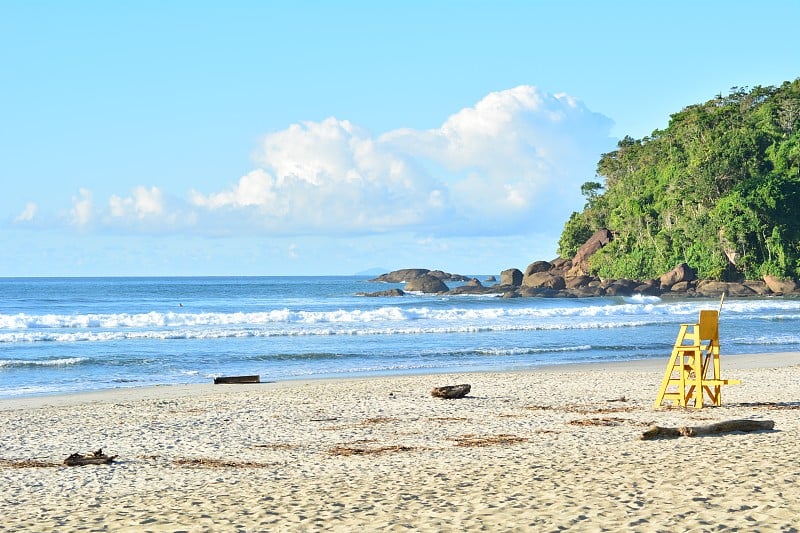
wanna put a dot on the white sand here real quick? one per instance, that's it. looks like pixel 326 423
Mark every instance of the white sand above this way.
pixel 517 454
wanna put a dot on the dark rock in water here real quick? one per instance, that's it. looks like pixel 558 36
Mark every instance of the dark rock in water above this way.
pixel 512 276
pixel 401 276
pixel 491 279
pixel 447 276
pixel 648 288
pixel 388 292
pixel 451 391
pixel 427 284
pixel 475 289
pixel 621 287
pixel 473 286
pixel 408 274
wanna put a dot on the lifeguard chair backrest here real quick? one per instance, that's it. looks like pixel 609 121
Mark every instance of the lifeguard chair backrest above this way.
pixel 709 324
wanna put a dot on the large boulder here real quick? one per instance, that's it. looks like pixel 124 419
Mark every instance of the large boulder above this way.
pixel 545 280
pixel 559 263
pixel 621 287
pixel 579 282
pixel 407 274
pixel 538 266
pixel 402 275
pixel 682 272
pixel 447 276
pixel 580 263
pixel 512 277
pixel 758 287
pixel 717 288
pixel 779 286
pixel 650 287
pixel 426 284
pixel 388 292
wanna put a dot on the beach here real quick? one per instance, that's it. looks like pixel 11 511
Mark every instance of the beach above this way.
pixel 551 449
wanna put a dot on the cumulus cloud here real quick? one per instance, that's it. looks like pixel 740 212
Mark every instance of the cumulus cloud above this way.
pixel 141 204
pixel 27 214
pixel 513 162
pixel 517 157
pixel 82 211
pixel 331 177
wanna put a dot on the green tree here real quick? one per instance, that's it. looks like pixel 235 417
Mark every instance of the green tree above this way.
pixel 719 188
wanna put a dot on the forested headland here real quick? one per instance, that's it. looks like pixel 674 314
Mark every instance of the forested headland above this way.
pixel 718 189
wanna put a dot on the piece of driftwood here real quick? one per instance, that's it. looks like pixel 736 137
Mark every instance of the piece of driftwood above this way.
pixel 728 426
pixel 451 391
pixel 237 379
pixel 94 458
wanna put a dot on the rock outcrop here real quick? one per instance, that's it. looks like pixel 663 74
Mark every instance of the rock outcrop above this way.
pixel 779 286
pixel 512 277
pixel 407 274
pixel 426 284
pixel 570 278
pixel 388 292
pixel 682 272
pixel 580 263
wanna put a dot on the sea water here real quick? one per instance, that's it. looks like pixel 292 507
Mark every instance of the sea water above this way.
pixel 64 335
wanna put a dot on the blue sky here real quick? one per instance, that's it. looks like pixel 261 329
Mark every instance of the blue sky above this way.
pixel 301 138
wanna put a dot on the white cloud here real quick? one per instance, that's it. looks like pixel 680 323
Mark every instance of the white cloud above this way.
pixel 517 158
pixel 27 214
pixel 512 163
pixel 81 213
pixel 331 177
pixel 142 203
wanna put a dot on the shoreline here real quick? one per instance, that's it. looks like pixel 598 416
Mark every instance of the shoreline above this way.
pixel 525 450
pixel 733 362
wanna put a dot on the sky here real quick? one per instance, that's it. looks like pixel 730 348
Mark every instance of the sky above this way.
pixel 196 138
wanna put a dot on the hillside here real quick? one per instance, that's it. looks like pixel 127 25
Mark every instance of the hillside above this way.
pixel 718 189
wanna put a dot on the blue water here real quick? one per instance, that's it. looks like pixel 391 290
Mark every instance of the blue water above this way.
pixel 84 334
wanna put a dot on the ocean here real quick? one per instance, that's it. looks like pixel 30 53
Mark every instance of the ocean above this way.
pixel 67 335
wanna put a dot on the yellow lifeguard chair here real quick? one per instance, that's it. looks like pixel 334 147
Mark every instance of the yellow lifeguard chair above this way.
pixel 694 369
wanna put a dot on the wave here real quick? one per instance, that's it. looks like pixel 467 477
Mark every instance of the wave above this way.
pixel 21 363
pixel 531 351
pixel 765 340
pixel 636 305
pixel 229 333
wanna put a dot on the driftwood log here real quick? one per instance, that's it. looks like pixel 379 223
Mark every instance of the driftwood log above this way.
pixel 94 458
pixel 728 426
pixel 451 391
pixel 237 379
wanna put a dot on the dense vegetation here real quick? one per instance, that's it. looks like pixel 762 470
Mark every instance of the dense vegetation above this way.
pixel 719 189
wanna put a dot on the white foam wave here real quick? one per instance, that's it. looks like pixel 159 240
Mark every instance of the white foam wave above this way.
pixel 208 334
pixel 67 361
pixel 786 339
pixel 636 305
pixel 528 351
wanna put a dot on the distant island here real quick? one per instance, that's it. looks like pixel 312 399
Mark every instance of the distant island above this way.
pixel 710 205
